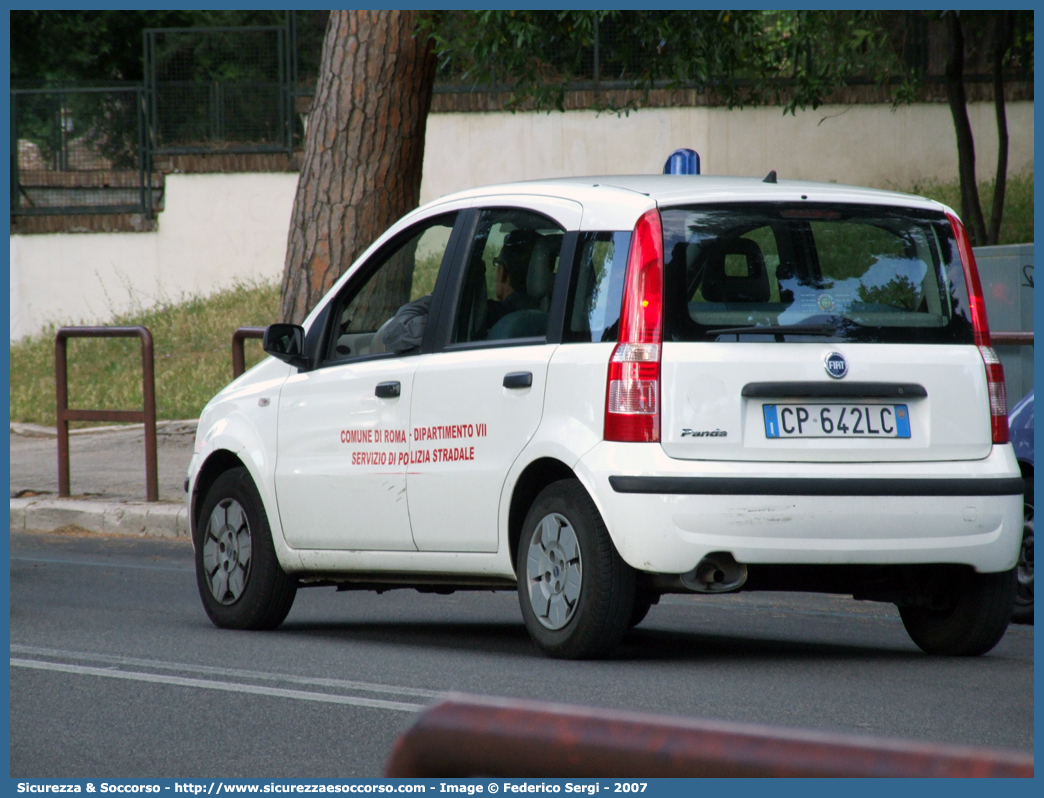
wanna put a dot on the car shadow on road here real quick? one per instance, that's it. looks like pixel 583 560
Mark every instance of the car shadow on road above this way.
pixel 493 638
pixel 640 645
pixel 673 645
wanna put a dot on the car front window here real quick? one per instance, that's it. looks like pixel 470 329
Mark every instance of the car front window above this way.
pixel 386 311
pixel 510 277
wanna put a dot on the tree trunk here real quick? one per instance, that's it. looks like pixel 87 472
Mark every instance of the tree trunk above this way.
pixel 364 149
pixel 1004 35
pixel 389 291
pixel 971 208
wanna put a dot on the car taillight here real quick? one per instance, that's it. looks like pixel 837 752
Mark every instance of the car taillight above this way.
pixel 632 402
pixel 981 330
pixel 998 394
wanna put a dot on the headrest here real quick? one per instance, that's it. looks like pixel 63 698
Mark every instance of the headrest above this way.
pixel 540 279
pixel 750 286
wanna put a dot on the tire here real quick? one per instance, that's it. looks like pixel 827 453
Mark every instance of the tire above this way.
pixel 977 610
pixel 643 602
pixel 577 593
pixel 239 578
pixel 1023 612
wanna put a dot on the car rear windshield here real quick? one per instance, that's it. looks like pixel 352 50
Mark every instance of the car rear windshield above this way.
pixel 812 272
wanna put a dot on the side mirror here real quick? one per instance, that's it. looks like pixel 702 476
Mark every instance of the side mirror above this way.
pixel 286 342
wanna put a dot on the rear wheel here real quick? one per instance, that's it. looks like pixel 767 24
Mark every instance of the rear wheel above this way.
pixel 239 578
pixel 969 615
pixel 1023 612
pixel 576 592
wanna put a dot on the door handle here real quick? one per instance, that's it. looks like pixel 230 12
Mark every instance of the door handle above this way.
pixel 519 379
pixel 388 390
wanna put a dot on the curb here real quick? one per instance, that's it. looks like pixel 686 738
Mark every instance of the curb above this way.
pixel 178 427
pixel 149 519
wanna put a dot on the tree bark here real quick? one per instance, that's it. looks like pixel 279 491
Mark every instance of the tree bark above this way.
pixel 971 208
pixel 364 149
pixel 1004 36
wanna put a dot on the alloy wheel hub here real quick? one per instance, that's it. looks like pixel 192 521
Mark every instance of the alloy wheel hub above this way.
pixel 554 572
pixel 226 551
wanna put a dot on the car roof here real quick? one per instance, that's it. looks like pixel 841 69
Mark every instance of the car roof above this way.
pixel 668 190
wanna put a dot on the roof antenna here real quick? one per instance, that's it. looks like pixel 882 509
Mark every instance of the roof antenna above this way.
pixel 770 177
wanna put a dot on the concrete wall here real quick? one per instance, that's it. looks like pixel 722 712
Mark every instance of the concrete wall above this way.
pixel 221 228
pixel 859 144
pixel 217 229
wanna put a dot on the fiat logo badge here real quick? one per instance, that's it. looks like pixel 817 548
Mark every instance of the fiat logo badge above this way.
pixel 836 365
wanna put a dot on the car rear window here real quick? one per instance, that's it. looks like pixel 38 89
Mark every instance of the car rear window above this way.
pixel 812 272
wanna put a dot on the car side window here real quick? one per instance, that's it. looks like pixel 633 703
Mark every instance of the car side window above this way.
pixel 596 292
pixel 510 276
pixel 386 313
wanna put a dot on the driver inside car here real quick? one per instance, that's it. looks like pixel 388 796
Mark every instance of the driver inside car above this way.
pixel 512 269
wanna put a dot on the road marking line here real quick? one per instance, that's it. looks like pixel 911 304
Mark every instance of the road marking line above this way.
pixel 235 673
pixel 208 684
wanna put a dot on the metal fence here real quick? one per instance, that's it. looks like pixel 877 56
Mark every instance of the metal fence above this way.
pixel 235 90
pixel 90 149
pixel 616 56
pixel 219 89
pixel 79 150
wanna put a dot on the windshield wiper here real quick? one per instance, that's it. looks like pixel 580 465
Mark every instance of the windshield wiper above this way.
pixel 776 329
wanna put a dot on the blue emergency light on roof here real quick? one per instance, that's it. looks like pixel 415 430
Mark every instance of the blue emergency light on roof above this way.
pixel 682 162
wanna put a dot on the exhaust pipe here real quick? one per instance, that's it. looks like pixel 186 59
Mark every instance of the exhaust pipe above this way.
pixel 718 572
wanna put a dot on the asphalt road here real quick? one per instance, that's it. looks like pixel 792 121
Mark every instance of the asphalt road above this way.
pixel 116 671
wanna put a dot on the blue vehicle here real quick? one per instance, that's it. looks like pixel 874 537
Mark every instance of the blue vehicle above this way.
pixel 1020 426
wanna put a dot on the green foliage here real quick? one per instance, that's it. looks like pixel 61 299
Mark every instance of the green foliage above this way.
pixel 424 273
pixel 807 55
pixel 848 250
pixel 899 292
pixel 1017 224
pixel 55 46
pixel 100 122
pixel 193 360
pixel 791 58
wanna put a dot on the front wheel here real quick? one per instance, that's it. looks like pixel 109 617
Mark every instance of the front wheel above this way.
pixel 576 592
pixel 240 580
pixel 969 616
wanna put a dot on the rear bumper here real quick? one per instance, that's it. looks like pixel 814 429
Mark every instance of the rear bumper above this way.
pixel 664 515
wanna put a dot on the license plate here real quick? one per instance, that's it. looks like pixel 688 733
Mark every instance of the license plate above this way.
pixel 836 421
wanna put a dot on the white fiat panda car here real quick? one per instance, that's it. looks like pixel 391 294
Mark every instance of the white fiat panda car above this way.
pixel 595 391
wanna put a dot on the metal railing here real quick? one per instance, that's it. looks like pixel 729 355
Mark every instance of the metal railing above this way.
pixel 465 736
pixel 238 357
pixel 146 415
pixel 1011 338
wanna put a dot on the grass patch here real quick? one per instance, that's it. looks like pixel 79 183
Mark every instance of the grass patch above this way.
pixel 193 356
pixel 1017 222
